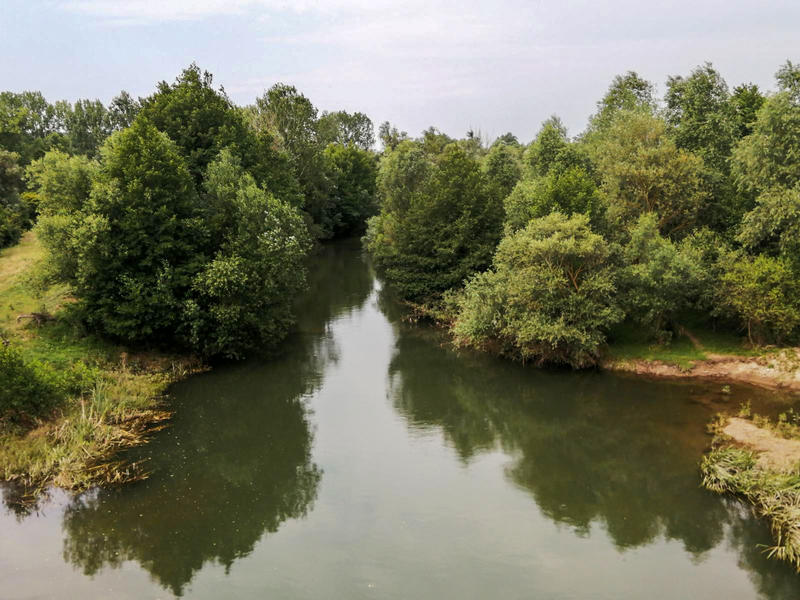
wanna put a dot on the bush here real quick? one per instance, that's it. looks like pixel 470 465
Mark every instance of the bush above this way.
pixel 550 296
pixel 29 389
pixel 659 278
pixel 763 293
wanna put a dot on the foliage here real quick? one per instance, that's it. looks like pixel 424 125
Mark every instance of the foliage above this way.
pixel 543 150
pixel 30 388
pixel 773 226
pixel 342 127
pixel 770 155
pixel 626 93
pixel 503 168
pixel 644 172
pixel 13 212
pixel 658 279
pixel 241 299
pixel 390 136
pixel 550 296
pixel 352 173
pixel 571 191
pixel 762 292
pixel 440 226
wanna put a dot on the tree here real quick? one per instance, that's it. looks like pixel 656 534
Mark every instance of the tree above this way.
pixel 29 125
pixel 352 172
pixel 344 128
pixel 139 238
pixel 122 111
pixel 435 233
pixel 745 101
pixel 569 191
pixel 626 93
pixel 13 213
pixel 762 292
pixel 503 168
pixel 88 125
pixel 644 172
pixel 60 188
pixel 770 156
pixel 549 142
pixel 773 226
pixel 294 117
pixel 241 300
pixel 549 297
pixel 201 120
pixel 390 136
pixel 658 279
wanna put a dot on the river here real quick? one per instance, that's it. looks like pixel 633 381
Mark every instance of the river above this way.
pixel 367 459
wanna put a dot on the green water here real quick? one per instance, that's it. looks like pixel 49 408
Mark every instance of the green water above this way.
pixel 369 460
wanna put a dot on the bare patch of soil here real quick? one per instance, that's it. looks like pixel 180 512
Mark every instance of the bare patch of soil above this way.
pixel 773 451
pixel 778 370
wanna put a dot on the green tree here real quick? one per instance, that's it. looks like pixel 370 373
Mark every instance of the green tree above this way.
pixel 390 136
pixel 549 142
pixel 352 172
pixel 139 240
pixel 569 191
pixel 644 172
pixel 770 156
pixel 762 292
pixel 123 110
pixel 626 93
pixel 241 300
pixel 773 226
pixel 60 188
pixel 503 168
pixel 745 101
pixel 13 213
pixel 29 125
pixel 342 127
pixel 87 125
pixel 550 296
pixel 658 279
pixel 435 233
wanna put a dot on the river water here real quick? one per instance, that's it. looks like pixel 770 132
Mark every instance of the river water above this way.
pixel 369 460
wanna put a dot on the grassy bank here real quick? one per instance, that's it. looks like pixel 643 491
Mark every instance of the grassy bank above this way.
pixel 759 461
pixel 117 401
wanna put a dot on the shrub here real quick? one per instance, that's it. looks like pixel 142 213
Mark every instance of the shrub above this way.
pixel 550 296
pixel 29 389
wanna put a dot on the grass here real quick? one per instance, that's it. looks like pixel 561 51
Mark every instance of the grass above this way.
pixel 76 446
pixel 775 494
pixel 630 342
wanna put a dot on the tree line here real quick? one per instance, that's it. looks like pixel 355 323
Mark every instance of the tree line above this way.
pixel 181 219
pixel 661 207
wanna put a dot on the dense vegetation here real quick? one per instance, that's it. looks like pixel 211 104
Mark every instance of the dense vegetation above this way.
pixel 177 222
pixel 658 210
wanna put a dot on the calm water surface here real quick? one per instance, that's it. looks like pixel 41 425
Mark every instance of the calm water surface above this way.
pixel 370 461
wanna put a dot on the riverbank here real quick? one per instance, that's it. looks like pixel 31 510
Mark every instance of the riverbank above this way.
pixel 759 460
pixel 77 444
pixel 702 353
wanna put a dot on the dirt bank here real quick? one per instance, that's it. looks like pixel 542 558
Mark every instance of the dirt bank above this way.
pixel 776 370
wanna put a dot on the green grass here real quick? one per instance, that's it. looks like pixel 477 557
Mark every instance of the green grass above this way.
pixel 75 447
pixel 629 342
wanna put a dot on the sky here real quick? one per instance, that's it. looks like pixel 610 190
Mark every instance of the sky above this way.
pixel 489 66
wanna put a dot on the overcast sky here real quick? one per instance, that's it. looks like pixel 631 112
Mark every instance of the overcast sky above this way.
pixel 495 66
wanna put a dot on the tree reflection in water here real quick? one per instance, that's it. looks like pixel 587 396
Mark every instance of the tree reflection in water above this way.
pixel 236 462
pixel 591 448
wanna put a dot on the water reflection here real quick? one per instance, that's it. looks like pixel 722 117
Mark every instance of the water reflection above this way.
pixel 236 462
pixel 591 449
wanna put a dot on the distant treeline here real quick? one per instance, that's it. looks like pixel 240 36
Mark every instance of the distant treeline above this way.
pixel 688 204
pixel 184 219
